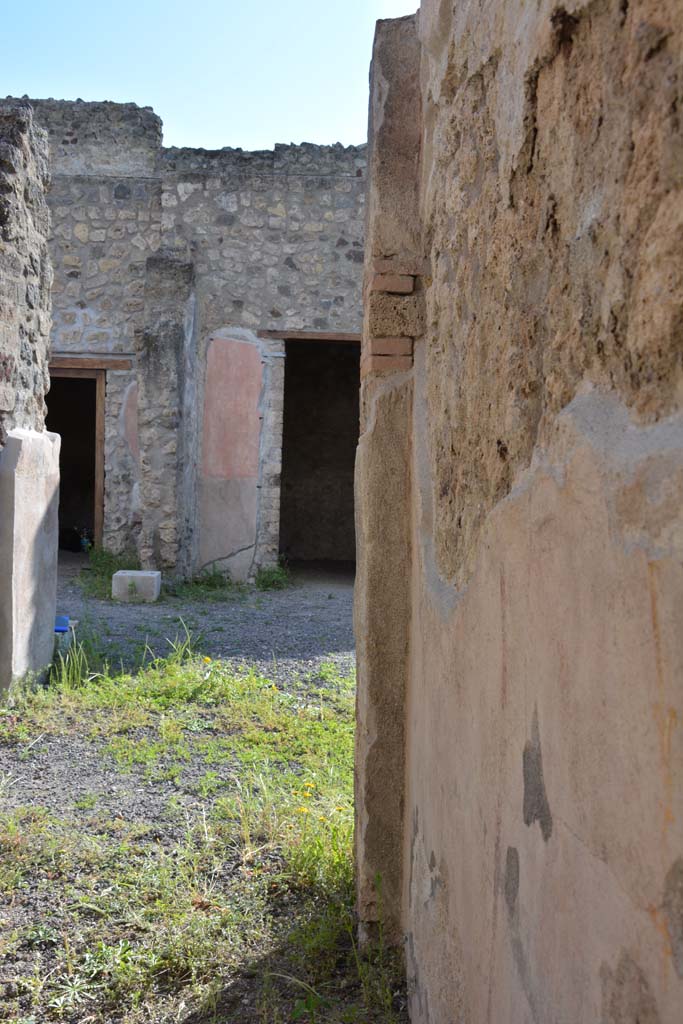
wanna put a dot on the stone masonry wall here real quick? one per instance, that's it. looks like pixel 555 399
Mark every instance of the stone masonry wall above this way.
pixel 29 467
pixel 520 656
pixel 105 205
pixel 277 236
pixel 275 242
pixel 25 274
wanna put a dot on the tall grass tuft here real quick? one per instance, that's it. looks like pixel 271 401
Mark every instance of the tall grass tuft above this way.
pixel 72 670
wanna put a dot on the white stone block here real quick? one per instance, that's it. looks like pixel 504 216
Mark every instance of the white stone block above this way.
pixel 135 585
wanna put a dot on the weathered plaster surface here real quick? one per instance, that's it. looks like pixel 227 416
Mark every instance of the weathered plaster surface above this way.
pixel 382 625
pixel 29 498
pixel 544 754
pixel 553 219
pixel 29 501
pixel 540 741
pixel 29 457
pixel 383 481
pixel 231 418
pixel 230 453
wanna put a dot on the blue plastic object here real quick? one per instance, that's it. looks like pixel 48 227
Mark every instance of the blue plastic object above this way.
pixel 62 624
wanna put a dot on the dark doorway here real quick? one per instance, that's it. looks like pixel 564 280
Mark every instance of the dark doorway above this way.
pixel 320 436
pixel 72 413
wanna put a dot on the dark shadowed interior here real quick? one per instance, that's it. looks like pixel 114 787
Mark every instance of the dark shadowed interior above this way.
pixel 71 413
pixel 318 452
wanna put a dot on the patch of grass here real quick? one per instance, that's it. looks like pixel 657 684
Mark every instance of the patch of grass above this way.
pixel 86 802
pixel 209 784
pixel 128 752
pixel 95 581
pixel 210 585
pixel 13 731
pixel 273 577
pixel 243 910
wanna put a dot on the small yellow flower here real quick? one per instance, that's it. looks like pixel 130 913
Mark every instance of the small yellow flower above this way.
pixel 340 808
pixel 306 796
pixel 304 810
pixel 311 785
pixel 322 818
pixel 207 660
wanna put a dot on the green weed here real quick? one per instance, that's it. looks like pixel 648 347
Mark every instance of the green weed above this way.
pixel 210 585
pixel 86 802
pixel 273 577
pixel 95 581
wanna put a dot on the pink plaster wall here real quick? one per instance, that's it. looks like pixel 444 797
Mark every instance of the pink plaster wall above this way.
pixel 130 420
pixel 230 455
pixel 230 448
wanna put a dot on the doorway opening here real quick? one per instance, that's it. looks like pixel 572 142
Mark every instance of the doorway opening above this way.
pixel 75 409
pixel 320 435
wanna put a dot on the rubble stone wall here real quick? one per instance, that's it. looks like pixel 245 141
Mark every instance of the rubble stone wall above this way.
pixel 25 274
pixel 275 241
pixel 277 236
pixel 105 206
pixel 523 373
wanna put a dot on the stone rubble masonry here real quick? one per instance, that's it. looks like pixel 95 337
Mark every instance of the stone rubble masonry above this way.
pixel 29 457
pixel 25 274
pixel 105 204
pixel 161 346
pixel 275 240
pixel 519 503
pixel 270 457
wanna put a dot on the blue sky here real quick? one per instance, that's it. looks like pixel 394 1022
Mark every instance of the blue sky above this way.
pixel 218 72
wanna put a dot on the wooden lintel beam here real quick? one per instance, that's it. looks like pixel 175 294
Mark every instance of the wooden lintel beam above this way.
pixel 90 363
pixel 310 336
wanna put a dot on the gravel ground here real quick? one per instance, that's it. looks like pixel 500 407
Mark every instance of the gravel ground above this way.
pixel 283 633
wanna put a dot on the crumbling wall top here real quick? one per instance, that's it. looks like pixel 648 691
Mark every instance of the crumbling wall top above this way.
pixel 121 139
pixel 307 158
pixel 125 140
